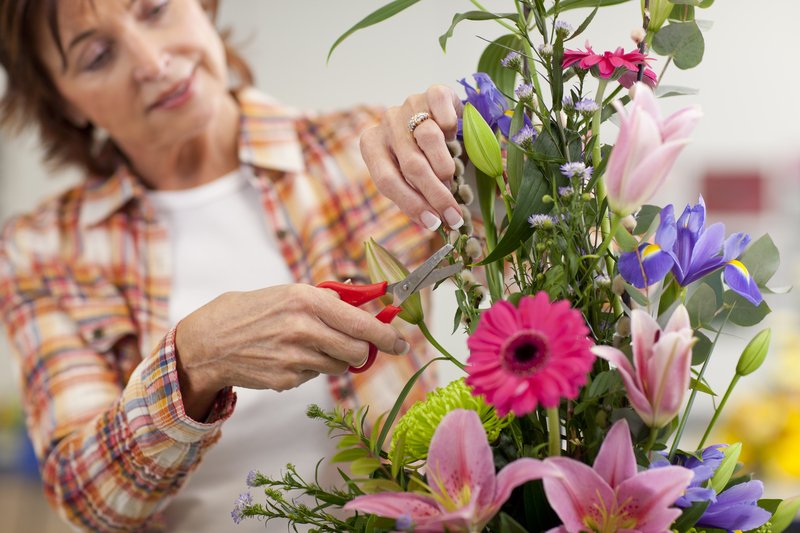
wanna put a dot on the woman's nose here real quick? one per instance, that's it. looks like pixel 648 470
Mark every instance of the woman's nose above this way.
pixel 150 60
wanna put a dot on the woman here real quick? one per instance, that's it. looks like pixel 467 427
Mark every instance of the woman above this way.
pixel 184 265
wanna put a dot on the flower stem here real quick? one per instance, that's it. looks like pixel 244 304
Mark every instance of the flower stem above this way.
pixel 728 392
pixel 498 20
pixel 553 431
pixel 425 331
pixel 685 417
pixel 651 439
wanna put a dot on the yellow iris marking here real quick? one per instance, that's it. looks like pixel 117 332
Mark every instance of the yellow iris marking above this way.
pixel 740 266
pixel 651 248
pixel 509 112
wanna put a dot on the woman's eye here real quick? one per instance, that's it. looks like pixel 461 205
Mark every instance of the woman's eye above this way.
pixel 99 60
pixel 157 10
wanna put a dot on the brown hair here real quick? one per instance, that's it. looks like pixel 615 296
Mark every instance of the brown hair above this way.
pixel 32 99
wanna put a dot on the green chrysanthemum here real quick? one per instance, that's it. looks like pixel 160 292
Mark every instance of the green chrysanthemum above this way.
pixel 421 420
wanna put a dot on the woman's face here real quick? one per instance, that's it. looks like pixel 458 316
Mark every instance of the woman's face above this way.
pixel 150 72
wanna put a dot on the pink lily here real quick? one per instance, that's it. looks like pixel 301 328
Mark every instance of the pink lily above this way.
pixel 645 151
pixel 661 371
pixel 612 496
pixel 465 493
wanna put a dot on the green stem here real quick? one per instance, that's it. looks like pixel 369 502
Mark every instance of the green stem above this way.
pixel 425 331
pixel 728 392
pixel 514 30
pixel 685 417
pixel 502 185
pixel 651 439
pixel 596 155
pixel 553 431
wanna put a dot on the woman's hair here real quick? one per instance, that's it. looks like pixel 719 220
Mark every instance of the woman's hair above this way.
pixel 31 98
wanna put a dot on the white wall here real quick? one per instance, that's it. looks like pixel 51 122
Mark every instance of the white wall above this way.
pixel 746 80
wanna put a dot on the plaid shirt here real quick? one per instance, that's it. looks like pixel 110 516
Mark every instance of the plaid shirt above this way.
pixel 84 291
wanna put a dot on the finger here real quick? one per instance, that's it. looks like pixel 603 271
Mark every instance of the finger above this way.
pixel 445 107
pixel 359 324
pixel 390 182
pixel 430 139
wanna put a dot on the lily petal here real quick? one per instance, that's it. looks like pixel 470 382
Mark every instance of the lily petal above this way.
pixel 615 461
pixel 652 492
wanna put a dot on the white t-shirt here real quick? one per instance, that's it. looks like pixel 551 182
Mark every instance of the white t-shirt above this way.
pixel 220 242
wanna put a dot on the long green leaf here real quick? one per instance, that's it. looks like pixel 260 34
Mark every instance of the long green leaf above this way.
pixel 515 157
pixel 585 23
pixel 566 5
pixel 386 12
pixel 474 15
pixel 529 202
pixel 387 425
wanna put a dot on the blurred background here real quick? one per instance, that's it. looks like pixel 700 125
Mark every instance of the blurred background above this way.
pixel 744 159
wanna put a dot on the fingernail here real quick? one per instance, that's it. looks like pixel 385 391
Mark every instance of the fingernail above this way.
pixel 430 220
pixel 401 347
pixel 453 219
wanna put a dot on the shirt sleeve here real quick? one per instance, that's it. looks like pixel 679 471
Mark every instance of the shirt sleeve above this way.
pixel 111 452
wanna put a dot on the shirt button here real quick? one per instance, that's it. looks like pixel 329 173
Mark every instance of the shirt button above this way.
pixel 281 234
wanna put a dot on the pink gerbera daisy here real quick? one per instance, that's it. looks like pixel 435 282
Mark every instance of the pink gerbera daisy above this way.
pixel 608 65
pixel 535 353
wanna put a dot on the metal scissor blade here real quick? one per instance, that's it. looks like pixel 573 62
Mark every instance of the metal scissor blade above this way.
pixel 439 274
pixel 403 289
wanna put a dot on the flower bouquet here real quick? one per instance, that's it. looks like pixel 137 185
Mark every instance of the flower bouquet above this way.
pixel 591 315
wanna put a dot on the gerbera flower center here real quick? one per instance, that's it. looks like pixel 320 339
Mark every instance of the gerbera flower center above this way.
pixel 525 352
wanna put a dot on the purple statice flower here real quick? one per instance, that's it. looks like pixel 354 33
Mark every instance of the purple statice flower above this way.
pixel 513 60
pixel 251 478
pixel 525 93
pixel 541 221
pixel 587 107
pixel 577 170
pixel 525 137
pixel 404 523
pixel 566 192
pixel 563 28
pixel 244 501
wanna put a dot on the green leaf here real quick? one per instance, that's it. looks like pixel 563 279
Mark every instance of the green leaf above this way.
pixel 786 512
pixel 665 91
pixel 353 454
pixel 348 441
pixel 636 295
pixel 602 383
pixel 701 387
pixel 399 455
pixel 702 306
pixel 690 516
pixel 683 41
pixel 474 15
pixel 744 313
pixel 515 157
pixel 585 23
pixel 529 203
pixel 625 240
pixel 701 349
pixel 379 15
pixel 726 468
pixel 566 5
pixel 704 4
pixel 489 63
pixel 685 2
pixel 390 418
pixel 509 525
pixel 762 260
pixel 644 219
pixel 365 466
pixel 371 486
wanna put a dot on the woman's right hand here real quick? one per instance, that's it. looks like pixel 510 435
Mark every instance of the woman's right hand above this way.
pixel 275 338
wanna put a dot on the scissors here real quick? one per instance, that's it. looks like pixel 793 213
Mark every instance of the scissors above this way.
pixel 425 275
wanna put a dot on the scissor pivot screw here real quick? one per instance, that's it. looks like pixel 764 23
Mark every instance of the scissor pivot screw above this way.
pixel 405 286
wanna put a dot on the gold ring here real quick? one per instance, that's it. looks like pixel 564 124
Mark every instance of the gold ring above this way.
pixel 417 119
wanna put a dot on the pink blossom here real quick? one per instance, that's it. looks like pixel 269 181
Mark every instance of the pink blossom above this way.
pixel 465 493
pixel 605 65
pixel 645 151
pixel 661 371
pixel 612 496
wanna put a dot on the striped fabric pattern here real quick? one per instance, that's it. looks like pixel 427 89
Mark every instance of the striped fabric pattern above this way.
pixel 84 292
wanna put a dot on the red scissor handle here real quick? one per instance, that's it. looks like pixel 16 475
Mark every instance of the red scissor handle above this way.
pixel 358 295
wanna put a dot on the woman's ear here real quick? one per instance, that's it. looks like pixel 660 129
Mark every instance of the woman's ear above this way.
pixel 75 116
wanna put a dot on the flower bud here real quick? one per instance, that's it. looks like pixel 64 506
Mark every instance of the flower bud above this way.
pixel 547 199
pixel 638 34
pixel 726 468
pixel 754 354
pixel 512 61
pixel 383 266
pixel 473 248
pixel 618 285
pixel 468 278
pixel 563 29
pixel 459 167
pixel 629 223
pixel 455 148
pixel 546 51
pixel 465 192
pixel 624 327
pixel 481 143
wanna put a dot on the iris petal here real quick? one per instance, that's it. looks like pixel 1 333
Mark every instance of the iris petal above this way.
pixel 655 264
pixel 741 282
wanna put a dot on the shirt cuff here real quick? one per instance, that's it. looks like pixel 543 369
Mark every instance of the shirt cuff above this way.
pixel 159 376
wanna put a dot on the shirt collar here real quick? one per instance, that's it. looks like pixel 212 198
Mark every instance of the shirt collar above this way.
pixel 268 139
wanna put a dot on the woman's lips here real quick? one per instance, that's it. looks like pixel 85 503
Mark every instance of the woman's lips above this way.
pixel 175 96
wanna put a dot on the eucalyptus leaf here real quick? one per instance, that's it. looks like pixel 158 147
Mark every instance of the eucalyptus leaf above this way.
pixel 566 5
pixel 683 41
pixel 703 5
pixel 702 306
pixel 636 296
pixel 701 349
pixel 704 25
pixel 625 240
pixel 762 259
pixel 379 15
pixel 744 313
pixel 474 15
pixel 685 2
pixel 665 91
pixel 645 217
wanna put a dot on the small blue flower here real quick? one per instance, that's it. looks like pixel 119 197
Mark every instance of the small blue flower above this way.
pixel 541 221
pixel 525 93
pixel 566 192
pixel 404 523
pixel 513 61
pixel 587 107
pixel 251 478
pixel 244 501
pixel 525 137
pixel 563 28
pixel 567 104
pixel 576 170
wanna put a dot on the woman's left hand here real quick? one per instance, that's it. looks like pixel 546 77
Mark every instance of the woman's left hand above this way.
pixel 414 169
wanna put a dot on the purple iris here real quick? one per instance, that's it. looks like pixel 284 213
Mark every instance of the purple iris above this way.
pixel 691 251
pixel 735 509
pixel 490 103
